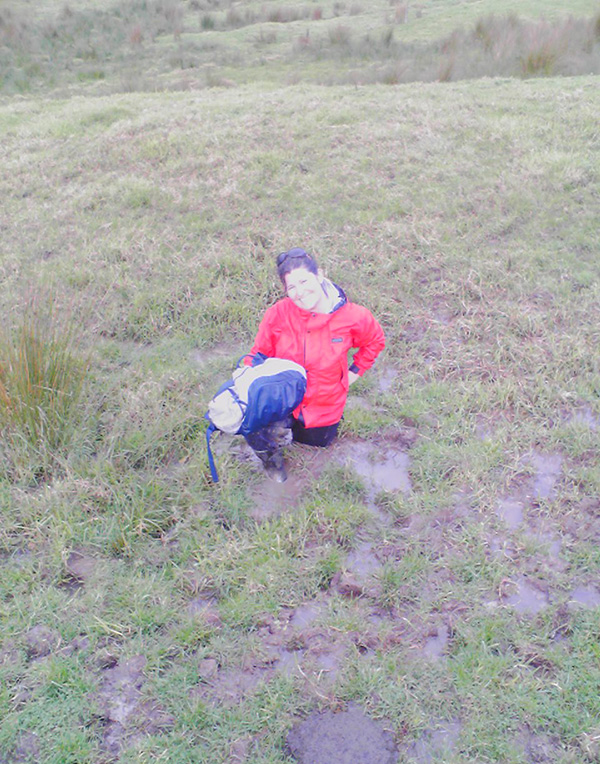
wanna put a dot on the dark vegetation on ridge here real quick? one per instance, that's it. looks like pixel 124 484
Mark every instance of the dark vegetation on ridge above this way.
pixel 174 45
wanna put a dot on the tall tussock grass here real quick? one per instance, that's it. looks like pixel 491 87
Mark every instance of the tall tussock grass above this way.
pixel 504 46
pixel 41 380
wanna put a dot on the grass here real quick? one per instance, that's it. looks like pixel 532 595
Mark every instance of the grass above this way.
pixel 172 45
pixel 463 214
pixel 41 381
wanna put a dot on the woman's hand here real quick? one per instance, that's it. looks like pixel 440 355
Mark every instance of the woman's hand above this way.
pixel 352 377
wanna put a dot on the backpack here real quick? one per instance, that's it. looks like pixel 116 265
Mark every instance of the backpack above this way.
pixel 255 397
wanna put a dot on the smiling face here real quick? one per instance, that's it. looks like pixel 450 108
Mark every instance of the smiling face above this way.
pixel 305 289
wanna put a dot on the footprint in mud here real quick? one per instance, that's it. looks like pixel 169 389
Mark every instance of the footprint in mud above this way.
pixel 228 687
pixel 80 569
pixel 347 737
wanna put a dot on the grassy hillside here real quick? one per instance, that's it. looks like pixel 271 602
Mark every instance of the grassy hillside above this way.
pixel 157 45
pixel 439 564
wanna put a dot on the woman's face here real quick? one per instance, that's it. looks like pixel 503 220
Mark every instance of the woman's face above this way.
pixel 304 288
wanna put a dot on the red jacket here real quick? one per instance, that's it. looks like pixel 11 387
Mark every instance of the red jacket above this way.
pixel 320 342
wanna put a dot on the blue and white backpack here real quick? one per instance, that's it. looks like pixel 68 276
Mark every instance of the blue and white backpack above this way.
pixel 255 397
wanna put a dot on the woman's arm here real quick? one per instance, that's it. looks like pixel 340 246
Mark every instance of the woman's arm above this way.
pixel 368 337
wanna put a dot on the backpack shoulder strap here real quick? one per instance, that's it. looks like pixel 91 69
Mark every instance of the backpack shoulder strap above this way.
pixel 211 461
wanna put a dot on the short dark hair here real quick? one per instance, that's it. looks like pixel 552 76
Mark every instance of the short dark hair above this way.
pixel 295 258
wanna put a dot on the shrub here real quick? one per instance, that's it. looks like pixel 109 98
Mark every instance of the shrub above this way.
pixel 339 35
pixel 41 379
pixel 207 23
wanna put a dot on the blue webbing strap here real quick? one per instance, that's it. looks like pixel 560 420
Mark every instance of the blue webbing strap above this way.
pixel 211 462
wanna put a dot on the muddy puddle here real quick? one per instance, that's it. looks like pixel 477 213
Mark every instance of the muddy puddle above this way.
pixel 585 596
pixel 383 467
pixel 306 614
pixel 271 499
pixel 346 737
pixel 524 596
pixel 548 469
pixel 436 645
pixel 510 511
pixel 436 744
pixel 362 562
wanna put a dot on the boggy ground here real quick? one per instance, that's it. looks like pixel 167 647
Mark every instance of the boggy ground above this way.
pixel 394 615
pixel 438 568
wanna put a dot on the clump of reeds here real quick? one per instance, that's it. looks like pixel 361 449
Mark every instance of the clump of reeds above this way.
pixel 41 379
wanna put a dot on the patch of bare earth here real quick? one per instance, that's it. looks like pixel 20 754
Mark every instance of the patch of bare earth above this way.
pixel 345 737
pixel 127 714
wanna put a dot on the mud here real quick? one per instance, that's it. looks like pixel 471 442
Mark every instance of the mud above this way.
pixel 362 562
pixel 347 737
pixel 384 469
pixel 40 641
pixel 206 609
pixel 436 744
pixel 548 470
pixel 383 472
pixel 538 748
pixel 585 596
pixel 306 614
pixel 27 749
pixel 436 645
pixel 510 511
pixel 126 714
pixel 79 569
pixel 387 379
pixel 229 687
pixel 524 597
pixel 585 416
pixel 270 499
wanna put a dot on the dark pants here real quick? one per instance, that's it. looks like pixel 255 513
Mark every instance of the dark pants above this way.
pixel 277 435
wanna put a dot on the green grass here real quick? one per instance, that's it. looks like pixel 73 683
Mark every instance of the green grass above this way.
pixel 41 381
pixel 463 214
pixel 102 48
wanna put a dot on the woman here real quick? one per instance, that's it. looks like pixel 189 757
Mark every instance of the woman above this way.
pixel 314 325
